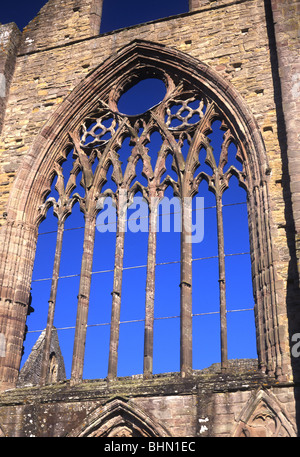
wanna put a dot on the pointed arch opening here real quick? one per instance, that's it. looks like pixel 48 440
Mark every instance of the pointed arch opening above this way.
pixel 120 418
pixel 89 124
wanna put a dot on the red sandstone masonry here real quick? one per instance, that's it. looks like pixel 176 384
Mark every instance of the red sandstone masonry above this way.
pixel 59 48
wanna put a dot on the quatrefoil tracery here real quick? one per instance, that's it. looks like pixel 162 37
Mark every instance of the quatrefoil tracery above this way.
pixel 102 133
pixel 186 112
pixel 97 130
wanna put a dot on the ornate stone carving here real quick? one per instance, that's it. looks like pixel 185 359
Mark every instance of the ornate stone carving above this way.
pixel 264 417
pixel 118 418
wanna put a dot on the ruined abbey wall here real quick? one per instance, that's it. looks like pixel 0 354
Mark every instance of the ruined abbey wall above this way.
pixel 238 40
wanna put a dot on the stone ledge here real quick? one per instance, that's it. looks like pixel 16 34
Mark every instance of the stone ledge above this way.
pixel 242 374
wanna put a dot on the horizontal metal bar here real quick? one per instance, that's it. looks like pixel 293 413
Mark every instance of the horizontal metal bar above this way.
pixel 142 266
pixel 143 320
pixel 144 217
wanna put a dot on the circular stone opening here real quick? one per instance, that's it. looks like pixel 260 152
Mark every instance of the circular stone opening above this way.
pixel 142 96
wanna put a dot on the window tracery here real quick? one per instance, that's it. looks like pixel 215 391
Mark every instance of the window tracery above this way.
pixel 137 60
pixel 183 120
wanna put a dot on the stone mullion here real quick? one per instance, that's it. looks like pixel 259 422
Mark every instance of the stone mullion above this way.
pixel 186 305
pixel 186 320
pixel 222 279
pixel 185 175
pixel 150 288
pixel 52 302
pixel 116 293
pixel 83 299
pixel 186 290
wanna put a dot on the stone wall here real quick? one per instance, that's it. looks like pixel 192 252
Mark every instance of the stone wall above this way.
pixel 166 405
pixel 286 20
pixel 236 38
pixel 9 42
pixel 61 22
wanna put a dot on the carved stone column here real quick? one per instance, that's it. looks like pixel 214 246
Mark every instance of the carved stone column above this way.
pixel 17 254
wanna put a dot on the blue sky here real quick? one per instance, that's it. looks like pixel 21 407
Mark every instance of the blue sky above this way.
pixel 130 12
pixel 241 334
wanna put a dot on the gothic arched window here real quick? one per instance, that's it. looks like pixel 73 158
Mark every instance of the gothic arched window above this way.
pixel 127 171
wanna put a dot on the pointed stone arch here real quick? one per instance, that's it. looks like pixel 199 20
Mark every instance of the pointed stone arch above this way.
pixel 120 417
pixel 138 60
pixel 263 416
